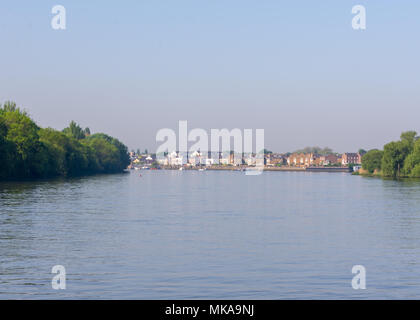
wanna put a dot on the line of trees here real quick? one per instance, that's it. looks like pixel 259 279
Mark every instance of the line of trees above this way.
pixel 398 159
pixel 28 151
pixel 317 150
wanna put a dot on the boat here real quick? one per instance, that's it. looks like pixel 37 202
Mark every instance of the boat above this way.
pixel 180 169
pixel 254 171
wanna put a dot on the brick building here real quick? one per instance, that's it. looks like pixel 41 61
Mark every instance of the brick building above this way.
pixel 349 158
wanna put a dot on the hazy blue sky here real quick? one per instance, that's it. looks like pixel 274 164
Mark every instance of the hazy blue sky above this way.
pixel 294 68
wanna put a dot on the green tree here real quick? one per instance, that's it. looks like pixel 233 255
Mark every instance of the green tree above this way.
pixel 123 157
pixel 22 132
pixel 8 155
pixel 75 131
pixel 69 157
pixel 27 151
pixel 412 162
pixel 316 150
pixel 9 106
pixel 372 160
pixel 393 158
pixel 409 137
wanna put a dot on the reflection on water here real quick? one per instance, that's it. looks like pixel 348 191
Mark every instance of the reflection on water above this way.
pixel 172 234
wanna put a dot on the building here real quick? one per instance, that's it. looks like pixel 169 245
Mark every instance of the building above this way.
pixel 235 158
pixel 329 159
pixel 195 158
pixel 224 158
pixel 250 159
pixel 275 159
pixel 149 159
pixel 302 159
pixel 174 159
pixel 351 158
pixel 209 161
pixel 163 161
pixel 224 161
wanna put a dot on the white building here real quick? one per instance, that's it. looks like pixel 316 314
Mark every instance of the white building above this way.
pixel 196 159
pixel 174 159
pixel 163 161
pixel 224 161
pixel 250 159
pixel 209 161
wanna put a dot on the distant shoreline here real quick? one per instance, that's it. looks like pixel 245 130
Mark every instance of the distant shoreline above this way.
pixel 284 169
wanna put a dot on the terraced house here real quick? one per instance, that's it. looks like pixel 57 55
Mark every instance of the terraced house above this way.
pixel 348 158
pixel 302 159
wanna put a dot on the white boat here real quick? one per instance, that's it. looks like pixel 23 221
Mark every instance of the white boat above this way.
pixel 254 171
pixel 180 169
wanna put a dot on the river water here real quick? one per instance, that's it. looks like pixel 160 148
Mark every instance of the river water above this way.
pixel 210 235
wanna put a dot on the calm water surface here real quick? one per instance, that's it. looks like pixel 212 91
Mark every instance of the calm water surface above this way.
pixel 215 235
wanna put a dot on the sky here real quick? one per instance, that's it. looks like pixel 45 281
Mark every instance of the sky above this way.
pixel 296 69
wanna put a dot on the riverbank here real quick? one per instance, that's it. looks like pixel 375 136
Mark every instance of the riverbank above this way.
pixel 378 174
pixel 285 169
pixel 29 152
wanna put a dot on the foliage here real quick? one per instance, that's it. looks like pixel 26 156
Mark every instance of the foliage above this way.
pixel 372 160
pixel 412 162
pixel 75 131
pixel 27 151
pixel 111 154
pixel 394 156
pixel 317 150
pixel 399 158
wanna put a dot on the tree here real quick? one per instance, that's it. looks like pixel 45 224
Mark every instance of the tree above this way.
pixel 9 106
pixel 409 137
pixel 22 132
pixel 75 131
pixel 393 158
pixel 27 151
pixel 69 156
pixel 412 162
pixel 8 153
pixel 100 142
pixel 400 157
pixel 317 150
pixel 372 160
